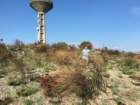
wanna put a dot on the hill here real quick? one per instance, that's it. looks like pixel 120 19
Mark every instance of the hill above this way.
pixel 56 75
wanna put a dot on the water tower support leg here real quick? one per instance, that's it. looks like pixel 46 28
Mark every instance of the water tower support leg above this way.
pixel 41 28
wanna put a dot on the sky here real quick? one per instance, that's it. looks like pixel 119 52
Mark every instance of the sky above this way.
pixel 111 23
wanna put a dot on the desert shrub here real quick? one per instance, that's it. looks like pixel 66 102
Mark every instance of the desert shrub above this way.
pixel 60 46
pixel 41 48
pixel 97 61
pixel 115 89
pixel 127 70
pixel 119 101
pixel 129 65
pixel 5 55
pixel 6 101
pixel 111 51
pixel 17 46
pixel 135 76
pixel 129 54
pixel 15 81
pixel 92 78
pixel 28 90
pixel 40 63
pixel 88 86
pixel 130 62
pixel 56 85
pixel 3 73
pixel 21 68
pixel 50 85
pixel 55 101
pixel 34 77
pixel 86 44
pixel 85 88
pixel 28 102
pixel 64 57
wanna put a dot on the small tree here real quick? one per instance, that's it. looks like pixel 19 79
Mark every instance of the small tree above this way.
pixel 86 44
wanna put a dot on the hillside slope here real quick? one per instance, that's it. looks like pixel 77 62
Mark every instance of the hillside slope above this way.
pixel 34 75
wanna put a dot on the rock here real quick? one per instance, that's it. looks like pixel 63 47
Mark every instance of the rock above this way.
pixel 137 83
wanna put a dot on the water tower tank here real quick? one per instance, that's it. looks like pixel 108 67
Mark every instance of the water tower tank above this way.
pixel 41 7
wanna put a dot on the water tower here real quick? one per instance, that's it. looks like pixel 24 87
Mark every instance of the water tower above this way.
pixel 41 7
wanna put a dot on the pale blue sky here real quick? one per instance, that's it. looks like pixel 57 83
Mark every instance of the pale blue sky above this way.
pixel 112 23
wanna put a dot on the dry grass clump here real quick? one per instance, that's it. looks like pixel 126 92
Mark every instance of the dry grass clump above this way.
pixel 64 57
pixel 59 53
pixel 97 61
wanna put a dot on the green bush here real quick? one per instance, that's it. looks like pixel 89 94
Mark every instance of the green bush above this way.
pixel 27 90
pixel 127 70
pixel 60 46
pixel 40 63
pixel 28 102
pixel 34 77
pixel 129 66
